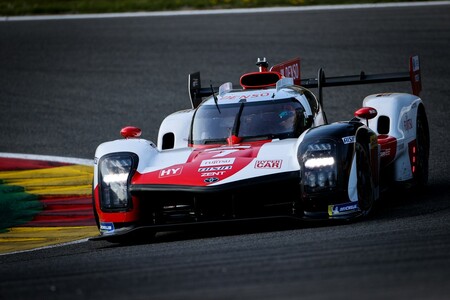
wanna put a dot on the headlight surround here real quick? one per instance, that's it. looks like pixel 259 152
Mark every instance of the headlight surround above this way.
pixel 115 172
pixel 319 163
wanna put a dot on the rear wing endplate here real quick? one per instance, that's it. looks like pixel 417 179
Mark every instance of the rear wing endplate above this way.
pixel 196 92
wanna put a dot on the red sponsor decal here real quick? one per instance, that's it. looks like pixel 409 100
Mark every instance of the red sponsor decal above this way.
pixel 268 164
pixel 170 172
pixel 290 68
pixel 220 162
pixel 388 148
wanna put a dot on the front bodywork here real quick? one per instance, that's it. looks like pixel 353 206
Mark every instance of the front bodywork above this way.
pixel 196 184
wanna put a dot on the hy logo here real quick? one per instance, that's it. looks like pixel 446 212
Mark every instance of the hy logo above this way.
pixel 170 172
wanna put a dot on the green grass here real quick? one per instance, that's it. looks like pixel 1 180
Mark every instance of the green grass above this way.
pixel 16 206
pixel 41 7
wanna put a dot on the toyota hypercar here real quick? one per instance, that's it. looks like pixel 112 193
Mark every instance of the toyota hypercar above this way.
pixel 263 150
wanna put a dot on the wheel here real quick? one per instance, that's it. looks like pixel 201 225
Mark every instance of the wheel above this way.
pixel 365 185
pixel 420 175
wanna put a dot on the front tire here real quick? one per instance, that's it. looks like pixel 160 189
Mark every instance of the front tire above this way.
pixel 365 183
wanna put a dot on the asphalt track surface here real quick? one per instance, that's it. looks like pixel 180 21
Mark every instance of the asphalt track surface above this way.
pixel 68 85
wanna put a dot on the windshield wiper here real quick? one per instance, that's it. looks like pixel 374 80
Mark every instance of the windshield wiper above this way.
pixel 237 121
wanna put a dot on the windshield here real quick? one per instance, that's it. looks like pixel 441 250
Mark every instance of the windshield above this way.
pixel 248 121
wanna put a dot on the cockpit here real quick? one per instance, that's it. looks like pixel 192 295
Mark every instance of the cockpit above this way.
pixel 248 121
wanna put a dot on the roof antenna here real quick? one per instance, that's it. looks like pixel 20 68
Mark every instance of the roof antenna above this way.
pixel 320 83
pixel 214 96
pixel 262 64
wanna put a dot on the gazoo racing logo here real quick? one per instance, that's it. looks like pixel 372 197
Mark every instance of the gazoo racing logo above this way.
pixel 170 172
pixel 268 164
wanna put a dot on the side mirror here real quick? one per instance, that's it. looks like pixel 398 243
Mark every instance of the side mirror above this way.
pixel 131 132
pixel 366 113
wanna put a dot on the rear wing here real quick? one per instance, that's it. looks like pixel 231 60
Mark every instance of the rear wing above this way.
pixel 413 75
pixel 291 68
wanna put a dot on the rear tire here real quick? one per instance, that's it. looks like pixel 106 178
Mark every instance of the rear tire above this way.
pixel 420 175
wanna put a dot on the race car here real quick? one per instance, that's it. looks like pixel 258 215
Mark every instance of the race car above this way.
pixel 262 151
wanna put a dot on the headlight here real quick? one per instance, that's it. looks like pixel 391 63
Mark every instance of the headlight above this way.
pixel 115 174
pixel 319 165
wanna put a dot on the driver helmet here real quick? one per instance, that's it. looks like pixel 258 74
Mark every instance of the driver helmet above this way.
pixel 286 117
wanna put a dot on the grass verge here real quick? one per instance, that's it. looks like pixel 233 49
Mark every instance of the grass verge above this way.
pixel 16 206
pixel 45 7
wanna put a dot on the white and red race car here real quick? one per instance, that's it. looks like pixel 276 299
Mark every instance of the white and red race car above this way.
pixel 262 151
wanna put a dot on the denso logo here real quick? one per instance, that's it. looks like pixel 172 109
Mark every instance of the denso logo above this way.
pixel 245 96
pixel 217 162
pixel 170 172
pixel 291 71
pixel 268 164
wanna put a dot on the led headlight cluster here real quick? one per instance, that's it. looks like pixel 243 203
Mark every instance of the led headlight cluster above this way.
pixel 115 173
pixel 319 166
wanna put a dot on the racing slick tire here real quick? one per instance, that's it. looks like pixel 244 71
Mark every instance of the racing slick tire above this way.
pixel 365 183
pixel 420 177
